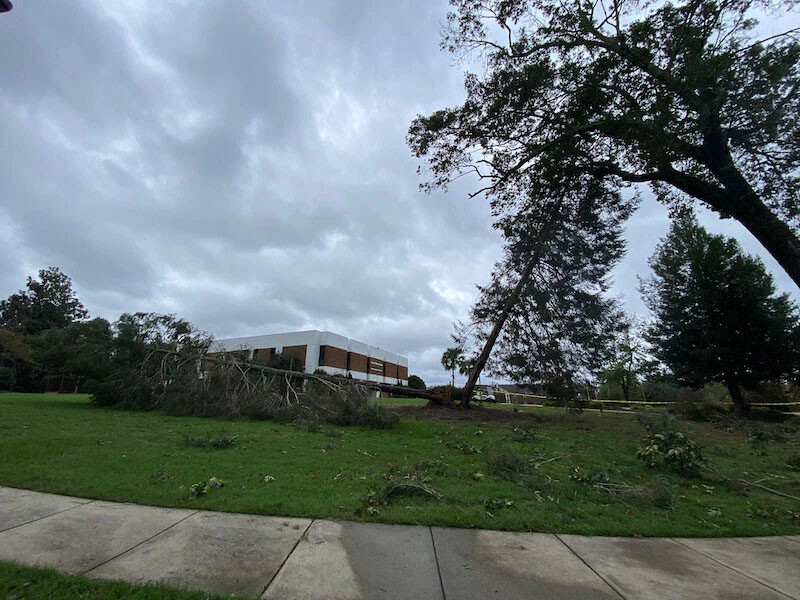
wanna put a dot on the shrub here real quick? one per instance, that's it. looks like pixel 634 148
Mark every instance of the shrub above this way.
pixel 667 448
pixel 308 425
pixel 416 383
pixel 463 446
pixel 768 415
pixel 660 391
pixel 354 408
pixel 448 393
pixel 137 392
pixel 672 450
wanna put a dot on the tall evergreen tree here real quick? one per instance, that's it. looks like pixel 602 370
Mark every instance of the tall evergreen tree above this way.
pixel 717 317
pixel 546 305
pixel 47 302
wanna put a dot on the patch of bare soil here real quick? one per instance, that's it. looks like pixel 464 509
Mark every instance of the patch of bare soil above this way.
pixel 474 414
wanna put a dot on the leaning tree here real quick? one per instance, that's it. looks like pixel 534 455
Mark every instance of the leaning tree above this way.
pixel 546 309
pixel 682 96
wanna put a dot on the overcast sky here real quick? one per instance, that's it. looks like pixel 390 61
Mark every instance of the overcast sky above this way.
pixel 244 165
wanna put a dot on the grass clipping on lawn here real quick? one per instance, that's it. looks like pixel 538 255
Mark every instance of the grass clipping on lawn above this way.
pixel 228 386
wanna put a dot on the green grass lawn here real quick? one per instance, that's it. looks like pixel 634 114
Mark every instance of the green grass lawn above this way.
pixel 65 444
pixel 26 583
pixel 401 401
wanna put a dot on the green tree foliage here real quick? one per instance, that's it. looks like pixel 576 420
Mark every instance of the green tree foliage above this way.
pixel 555 328
pixel 16 359
pixel 133 361
pixel 78 352
pixel 450 359
pixel 136 334
pixel 630 361
pixel 466 364
pixel 47 302
pixel 717 317
pixel 677 95
pixel 416 382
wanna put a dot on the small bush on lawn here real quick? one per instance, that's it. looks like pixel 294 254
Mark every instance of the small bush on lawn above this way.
pixel 448 393
pixel 666 448
pixel 355 409
pixel 89 386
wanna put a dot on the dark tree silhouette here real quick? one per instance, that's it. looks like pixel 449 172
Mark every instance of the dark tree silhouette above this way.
pixel 680 96
pixel 47 302
pixel 717 317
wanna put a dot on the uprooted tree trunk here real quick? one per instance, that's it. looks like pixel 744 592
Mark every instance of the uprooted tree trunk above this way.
pixel 508 305
pixel 551 216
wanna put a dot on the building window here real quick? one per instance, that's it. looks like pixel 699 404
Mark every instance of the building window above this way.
pixel 321 356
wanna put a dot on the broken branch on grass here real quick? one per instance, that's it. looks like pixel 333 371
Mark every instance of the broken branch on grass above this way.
pixel 549 460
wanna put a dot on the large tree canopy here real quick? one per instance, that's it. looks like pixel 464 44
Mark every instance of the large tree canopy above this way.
pixel 47 302
pixel 717 317
pixel 78 351
pixel 681 96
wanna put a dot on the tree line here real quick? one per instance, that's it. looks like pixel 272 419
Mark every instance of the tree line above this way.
pixel 49 343
pixel 574 108
pixel 715 318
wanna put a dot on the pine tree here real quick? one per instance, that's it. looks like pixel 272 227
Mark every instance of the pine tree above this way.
pixel 717 317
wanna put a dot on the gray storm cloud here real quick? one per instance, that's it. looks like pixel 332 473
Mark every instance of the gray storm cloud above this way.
pixel 244 166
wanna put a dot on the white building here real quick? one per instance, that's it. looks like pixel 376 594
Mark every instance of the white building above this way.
pixel 334 354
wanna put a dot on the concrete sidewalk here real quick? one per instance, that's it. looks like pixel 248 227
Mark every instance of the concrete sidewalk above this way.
pixel 275 557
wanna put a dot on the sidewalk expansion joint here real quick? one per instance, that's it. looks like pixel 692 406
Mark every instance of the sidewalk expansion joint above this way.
pixel 735 570
pixel 285 560
pixel 436 558
pixel 592 569
pixel 178 522
pixel 47 516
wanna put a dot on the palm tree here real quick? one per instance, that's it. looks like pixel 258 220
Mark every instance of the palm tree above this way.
pixel 450 360
pixel 465 365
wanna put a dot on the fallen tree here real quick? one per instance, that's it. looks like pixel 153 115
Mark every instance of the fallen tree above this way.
pixel 189 381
